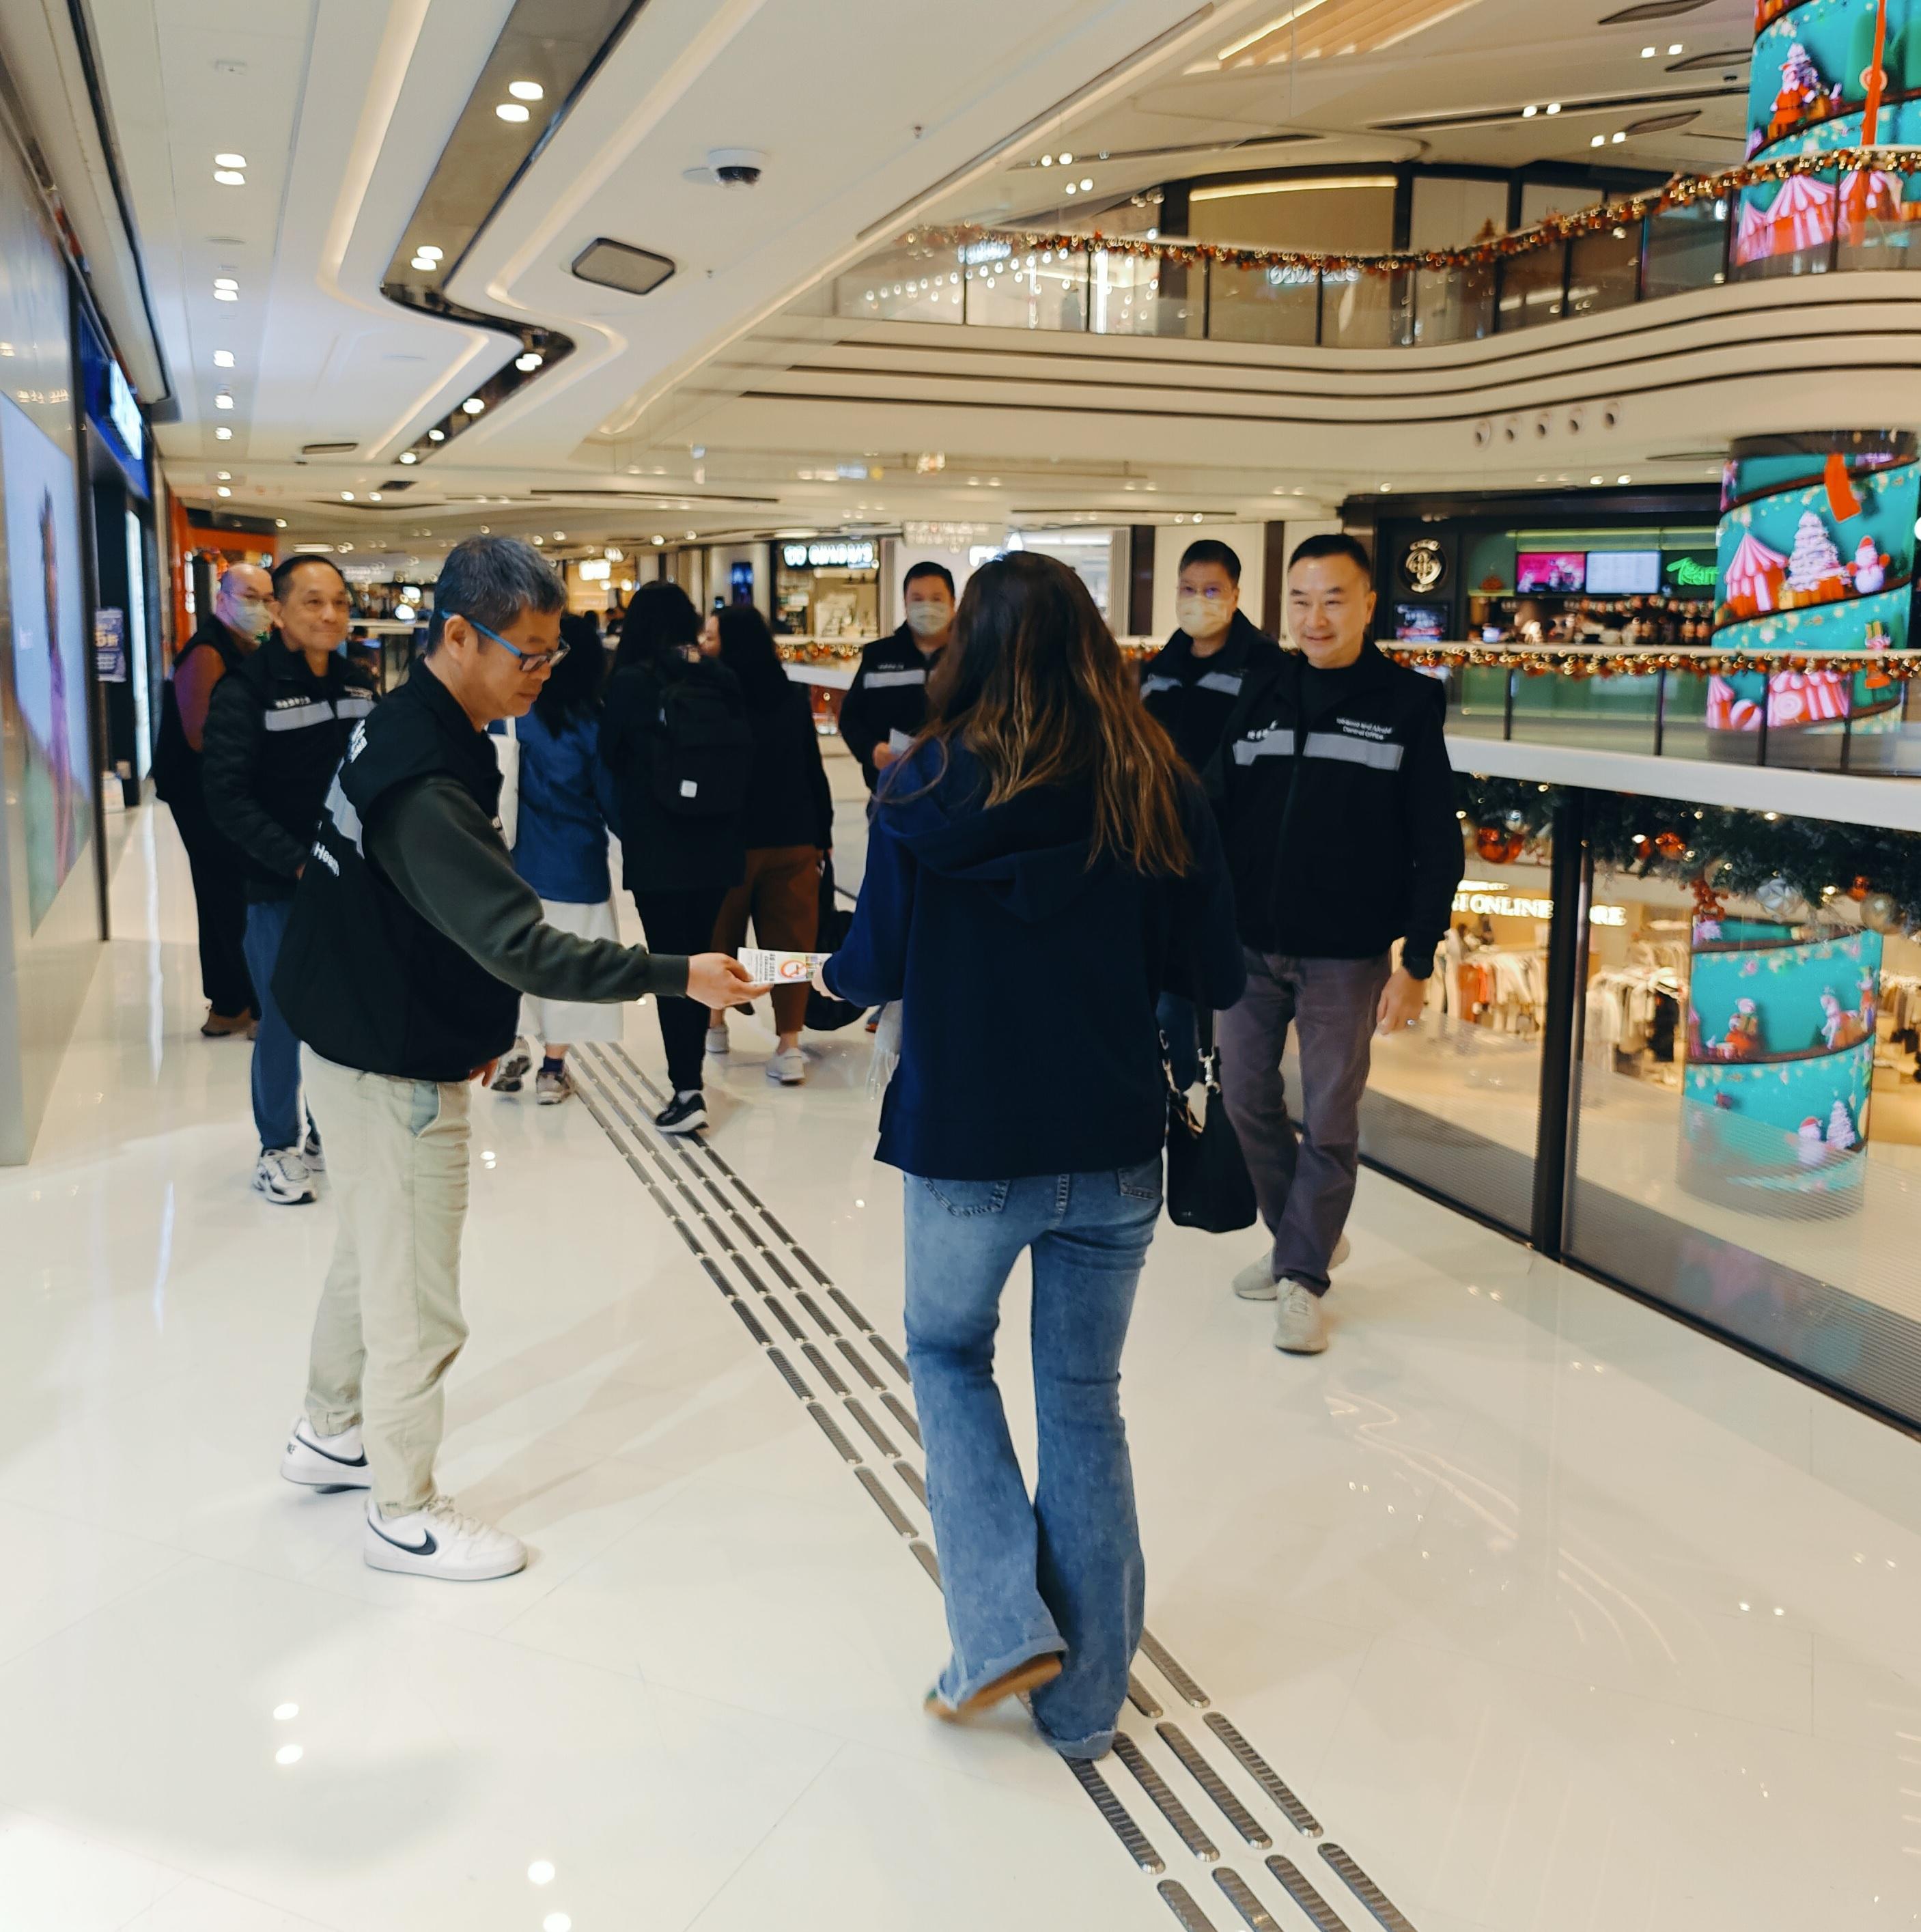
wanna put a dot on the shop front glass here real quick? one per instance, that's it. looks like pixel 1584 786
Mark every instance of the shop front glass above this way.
pixel 1746 1136
pixel 1098 557
pixel 829 588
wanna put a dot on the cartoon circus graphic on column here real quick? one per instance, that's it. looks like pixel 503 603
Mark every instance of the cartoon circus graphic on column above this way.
pixel 1807 93
pixel 1816 554
pixel 1780 1060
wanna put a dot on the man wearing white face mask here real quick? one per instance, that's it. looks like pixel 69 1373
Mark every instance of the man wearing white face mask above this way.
pixel 231 633
pixel 886 704
pixel 1191 686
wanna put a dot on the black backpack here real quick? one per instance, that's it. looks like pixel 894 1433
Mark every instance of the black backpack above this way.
pixel 702 751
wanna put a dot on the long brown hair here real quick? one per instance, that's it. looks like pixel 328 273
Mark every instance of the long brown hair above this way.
pixel 1033 685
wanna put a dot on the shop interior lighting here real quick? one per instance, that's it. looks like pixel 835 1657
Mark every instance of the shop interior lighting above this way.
pixel 1070 187
pixel 424 262
pixel 346 495
pixel 229 178
pixel 1528 112
pixel 408 456
pixel 230 160
pixel 372 496
pixel 1618 137
pixel 540 540
pixel 529 361
pixel 222 476
pixel 526 90
pixel 473 406
pixel 223 490
pixel 226 289
pixel 1553 107
pixel 223 358
pixel 223 434
pixel 1674 47
pixel 511 110
pixel 436 436
pixel 280 522
pixel 224 401
pixel 1647 53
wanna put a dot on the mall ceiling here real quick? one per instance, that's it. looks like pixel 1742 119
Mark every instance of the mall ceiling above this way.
pixel 869 115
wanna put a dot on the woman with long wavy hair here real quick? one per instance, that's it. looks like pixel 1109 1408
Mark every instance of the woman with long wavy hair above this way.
pixel 1039 843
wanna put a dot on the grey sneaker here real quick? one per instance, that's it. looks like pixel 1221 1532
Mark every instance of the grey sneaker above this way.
pixel 787 1069
pixel 1299 1325
pixel 550 1089
pixel 510 1076
pixel 1255 1282
pixel 717 1040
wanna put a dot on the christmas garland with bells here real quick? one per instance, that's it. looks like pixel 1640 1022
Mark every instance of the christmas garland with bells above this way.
pixel 1683 192
pixel 1546 662
pixel 1793 867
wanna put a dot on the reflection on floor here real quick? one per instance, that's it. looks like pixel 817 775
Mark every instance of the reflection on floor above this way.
pixel 1556 1614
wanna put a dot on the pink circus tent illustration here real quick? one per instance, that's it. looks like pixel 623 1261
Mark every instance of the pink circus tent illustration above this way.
pixel 1755 578
pixel 1801 216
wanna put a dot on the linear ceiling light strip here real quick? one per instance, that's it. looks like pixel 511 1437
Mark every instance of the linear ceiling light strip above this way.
pixel 546 56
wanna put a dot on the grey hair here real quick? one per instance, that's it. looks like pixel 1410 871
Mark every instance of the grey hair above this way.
pixel 493 580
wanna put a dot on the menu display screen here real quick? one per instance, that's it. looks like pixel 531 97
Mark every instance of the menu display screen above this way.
pixel 1551 570
pixel 1623 573
pixel 1421 623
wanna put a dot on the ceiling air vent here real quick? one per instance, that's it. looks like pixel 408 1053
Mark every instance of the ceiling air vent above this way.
pixel 613 265
pixel 1653 9
pixel 328 448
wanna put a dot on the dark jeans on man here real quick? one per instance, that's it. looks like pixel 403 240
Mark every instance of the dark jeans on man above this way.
pixel 1303 1178
pixel 277 1115
pixel 681 922
pixel 220 904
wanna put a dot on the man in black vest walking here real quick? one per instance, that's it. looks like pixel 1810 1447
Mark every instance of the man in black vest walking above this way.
pixel 887 703
pixel 411 942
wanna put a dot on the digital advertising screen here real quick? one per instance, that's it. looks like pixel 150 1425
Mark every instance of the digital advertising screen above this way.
pixel 1623 573
pixel 1421 623
pixel 1780 1064
pixel 1816 553
pixel 50 670
pixel 1809 93
pixel 1553 570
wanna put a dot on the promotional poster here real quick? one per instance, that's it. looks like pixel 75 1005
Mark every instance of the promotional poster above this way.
pixel 49 680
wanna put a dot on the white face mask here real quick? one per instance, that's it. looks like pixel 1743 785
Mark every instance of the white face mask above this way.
pixel 926 619
pixel 250 618
pixel 1201 616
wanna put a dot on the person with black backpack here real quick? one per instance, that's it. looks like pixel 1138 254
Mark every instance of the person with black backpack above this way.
pixel 675 739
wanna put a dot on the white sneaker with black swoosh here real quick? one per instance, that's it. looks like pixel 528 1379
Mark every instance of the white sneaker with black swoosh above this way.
pixel 317 1462
pixel 437 1541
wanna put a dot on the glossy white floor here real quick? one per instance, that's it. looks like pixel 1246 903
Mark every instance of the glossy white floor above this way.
pixel 1557 1615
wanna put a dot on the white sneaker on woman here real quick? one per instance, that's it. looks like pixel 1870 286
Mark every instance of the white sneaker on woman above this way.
pixel 437 1541
pixel 717 1040
pixel 1255 1282
pixel 788 1068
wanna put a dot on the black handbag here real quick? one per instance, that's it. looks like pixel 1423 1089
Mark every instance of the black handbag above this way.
pixel 1208 1185
pixel 826 1015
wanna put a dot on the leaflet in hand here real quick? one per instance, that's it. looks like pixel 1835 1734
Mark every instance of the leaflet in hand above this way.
pixel 898 741
pixel 780 969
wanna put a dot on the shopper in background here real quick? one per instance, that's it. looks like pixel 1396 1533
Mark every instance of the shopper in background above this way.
pixel 276 729
pixel 1043 842
pixel 1190 686
pixel 887 703
pixel 231 633
pixel 566 803
pixel 411 943
pixel 675 741
pixel 1337 805
pixel 789 828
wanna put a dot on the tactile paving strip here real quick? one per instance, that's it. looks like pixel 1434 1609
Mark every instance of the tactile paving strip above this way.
pixel 726 1226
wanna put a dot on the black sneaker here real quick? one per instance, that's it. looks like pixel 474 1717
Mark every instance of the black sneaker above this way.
pixel 685 1113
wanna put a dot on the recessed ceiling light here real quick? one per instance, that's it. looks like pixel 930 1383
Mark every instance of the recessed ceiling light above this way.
pixel 540 540
pixel 526 90
pixel 1647 53
pixel 230 160
pixel 346 495
pixel 511 110
pixel 372 496
pixel 1553 107
pixel 1070 187
pixel 225 282
pixel 660 540
pixel 280 522
pixel 1593 479
pixel 1619 138
pixel 529 361
pixel 1528 112
pixel 692 535
pixel 223 358
pixel 1624 479
pixel 408 456
pixel 224 400
pixel 223 490
pixel 222 476
pixel 223 434
pixel 425 262
pixel 473 406
pixel 1066 161
pixel 1086 183
pixel 1599 141
pixel 436 436
pixel 229 178
pixel 432 254
pixel 1674 47
pixel 1047 160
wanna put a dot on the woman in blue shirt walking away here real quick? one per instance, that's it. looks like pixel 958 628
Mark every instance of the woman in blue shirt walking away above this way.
pixel 1040 836
pixel 566 803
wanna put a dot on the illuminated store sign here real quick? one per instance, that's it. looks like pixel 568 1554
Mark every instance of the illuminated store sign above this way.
pixel 1488 897
pixel 828 556
pixel 124 412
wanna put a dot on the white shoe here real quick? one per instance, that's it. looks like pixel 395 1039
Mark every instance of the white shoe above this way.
pixel 438 1541
pixel 1255 1282
pixel 317 1462
pixel 1300 1326
pixel 788 1068
pixel 280 1176
pixel 717 1040
pixel 312 1153
pixel 510 1076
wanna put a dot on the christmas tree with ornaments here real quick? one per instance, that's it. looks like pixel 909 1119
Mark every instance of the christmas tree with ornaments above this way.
pixel 1815 572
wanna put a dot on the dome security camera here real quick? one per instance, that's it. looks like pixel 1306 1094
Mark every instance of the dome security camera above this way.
pixel 736 167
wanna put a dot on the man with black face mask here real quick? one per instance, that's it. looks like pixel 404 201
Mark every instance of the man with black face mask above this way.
pixel 1190 687
pixel 887 703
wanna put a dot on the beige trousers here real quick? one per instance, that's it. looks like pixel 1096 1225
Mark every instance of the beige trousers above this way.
pixel 390 1325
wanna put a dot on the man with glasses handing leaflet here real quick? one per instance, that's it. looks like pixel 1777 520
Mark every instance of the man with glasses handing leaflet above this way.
pixel 411 941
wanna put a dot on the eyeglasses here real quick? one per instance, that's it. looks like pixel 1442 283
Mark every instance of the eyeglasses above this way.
pixel 529 660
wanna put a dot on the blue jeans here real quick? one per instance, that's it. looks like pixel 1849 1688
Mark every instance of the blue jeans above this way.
pixel 1064 1572
pixel 276 1051
pixel 1179 1027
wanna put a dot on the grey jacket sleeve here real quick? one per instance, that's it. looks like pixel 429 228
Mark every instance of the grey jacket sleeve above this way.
pixel 447 862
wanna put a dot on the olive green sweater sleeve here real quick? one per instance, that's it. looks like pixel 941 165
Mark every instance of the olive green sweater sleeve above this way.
pixel 446 861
